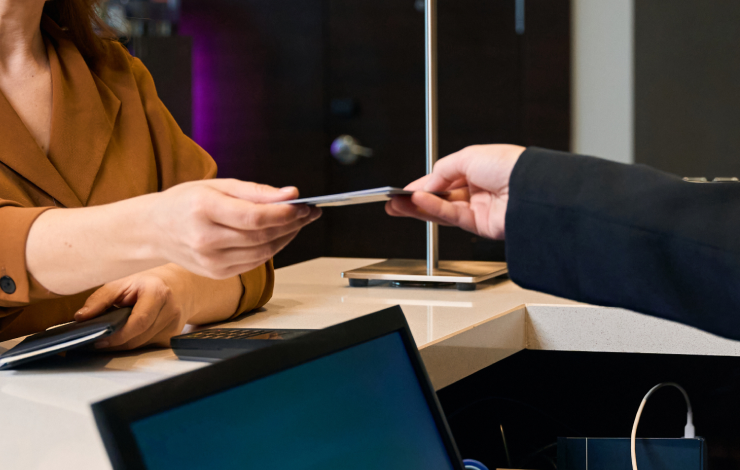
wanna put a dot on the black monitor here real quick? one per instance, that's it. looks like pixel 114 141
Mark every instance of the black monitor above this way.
pixel 354 395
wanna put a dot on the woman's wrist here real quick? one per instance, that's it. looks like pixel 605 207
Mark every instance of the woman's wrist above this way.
pixel 139 218
pixel 217 300
pixel 203 300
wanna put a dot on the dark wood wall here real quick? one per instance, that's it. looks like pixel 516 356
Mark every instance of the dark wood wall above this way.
pixel 687 86
pixel 169 60
pixel 258 94
pixel 266 74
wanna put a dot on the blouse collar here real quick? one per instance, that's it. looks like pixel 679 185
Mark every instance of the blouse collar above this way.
pixel 84 112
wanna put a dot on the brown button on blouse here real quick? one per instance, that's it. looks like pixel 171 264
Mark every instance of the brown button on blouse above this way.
pixel 111 139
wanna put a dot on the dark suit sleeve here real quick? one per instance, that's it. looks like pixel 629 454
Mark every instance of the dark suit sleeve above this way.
pixel 626 236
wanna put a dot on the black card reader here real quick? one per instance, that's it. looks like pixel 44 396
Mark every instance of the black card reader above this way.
pixel 212 345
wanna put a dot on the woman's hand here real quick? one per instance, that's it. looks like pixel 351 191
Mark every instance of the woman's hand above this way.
pixel 164 300
pixel 477 178
pixel 213 228
pixel 221 228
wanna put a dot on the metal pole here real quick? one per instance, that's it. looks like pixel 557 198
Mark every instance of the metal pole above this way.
pixel 430 27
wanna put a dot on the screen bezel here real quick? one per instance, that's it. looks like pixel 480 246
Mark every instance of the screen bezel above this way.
pixel 115 415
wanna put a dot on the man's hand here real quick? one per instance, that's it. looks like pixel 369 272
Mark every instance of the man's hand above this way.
pixel 477 178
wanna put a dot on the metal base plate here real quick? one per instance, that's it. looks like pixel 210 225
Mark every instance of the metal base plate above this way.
pixel 467 272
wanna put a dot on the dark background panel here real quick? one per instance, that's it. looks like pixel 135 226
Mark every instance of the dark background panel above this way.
pixel 258 95
pixel 376 59
pixel 546 78
pixel 169 60
pixel 265 76
pixel 687 86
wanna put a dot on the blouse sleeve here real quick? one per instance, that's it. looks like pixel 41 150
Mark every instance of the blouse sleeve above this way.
pixel 179 159
pixel 17 287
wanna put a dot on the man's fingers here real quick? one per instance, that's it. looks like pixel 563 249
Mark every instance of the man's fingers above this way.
pixel 404 207
pixel 457 214
pixel 417 185
pixel 401 206
pixel 461 183
pixel 144 314
pixel 390 208
pixel 459 194
pixel 100 301
pixel 421 183
pixel 447 171
pixel 486 166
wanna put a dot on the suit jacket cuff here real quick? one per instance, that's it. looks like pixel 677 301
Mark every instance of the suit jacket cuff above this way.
pixel 541 245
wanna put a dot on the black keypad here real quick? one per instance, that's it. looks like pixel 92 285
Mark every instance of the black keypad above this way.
pixel 226 333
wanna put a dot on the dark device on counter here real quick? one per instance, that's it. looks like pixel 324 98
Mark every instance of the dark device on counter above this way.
pixel 354 395
pixel 220 343
pixel 73 335
pixel 581 453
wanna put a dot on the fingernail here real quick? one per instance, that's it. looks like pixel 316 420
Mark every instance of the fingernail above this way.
pixel 81 312
pixel 101 344
pixel 288 189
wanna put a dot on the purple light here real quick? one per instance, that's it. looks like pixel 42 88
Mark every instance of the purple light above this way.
pixel 204 95
pixel 229 105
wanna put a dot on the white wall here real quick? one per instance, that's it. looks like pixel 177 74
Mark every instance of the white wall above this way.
pixel 603 110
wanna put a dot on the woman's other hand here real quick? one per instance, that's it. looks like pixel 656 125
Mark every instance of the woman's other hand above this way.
pixel 164 300
pixel 477 178
pixel 221 228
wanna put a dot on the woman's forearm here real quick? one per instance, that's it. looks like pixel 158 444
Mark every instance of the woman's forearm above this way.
pixel 72 250
pixel 213 228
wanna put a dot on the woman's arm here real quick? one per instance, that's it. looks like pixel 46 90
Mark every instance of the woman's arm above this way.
pixel 215 228
pixel 72 250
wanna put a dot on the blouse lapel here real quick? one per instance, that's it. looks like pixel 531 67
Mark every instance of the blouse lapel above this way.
pixel 83 115
pixel 20 152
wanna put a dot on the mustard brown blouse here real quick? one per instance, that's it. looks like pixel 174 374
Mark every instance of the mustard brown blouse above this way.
pixel 111 139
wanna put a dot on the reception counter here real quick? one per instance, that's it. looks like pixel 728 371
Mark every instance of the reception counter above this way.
pixel 47 422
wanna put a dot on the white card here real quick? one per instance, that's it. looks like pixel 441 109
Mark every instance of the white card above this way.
pixel 355 197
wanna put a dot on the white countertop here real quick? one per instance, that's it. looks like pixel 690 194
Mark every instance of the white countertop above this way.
pixel 47 422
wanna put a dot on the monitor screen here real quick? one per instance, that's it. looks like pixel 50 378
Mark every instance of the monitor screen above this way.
pixel 359 408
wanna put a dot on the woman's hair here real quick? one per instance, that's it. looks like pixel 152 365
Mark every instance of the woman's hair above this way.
pixel 84 26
